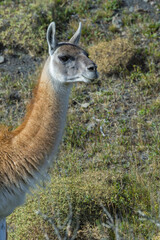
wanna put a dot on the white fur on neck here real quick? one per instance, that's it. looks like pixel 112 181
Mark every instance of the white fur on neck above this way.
pixel 3 229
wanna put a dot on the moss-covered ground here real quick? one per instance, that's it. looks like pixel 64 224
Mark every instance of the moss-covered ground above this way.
pixel 105 182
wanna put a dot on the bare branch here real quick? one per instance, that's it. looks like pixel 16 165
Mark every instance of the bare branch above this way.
pixel 116 228
pixel 108 214
pixel 69 234
pixel 76 229
pixel 111 223
pixel 49 220
pixel 145 217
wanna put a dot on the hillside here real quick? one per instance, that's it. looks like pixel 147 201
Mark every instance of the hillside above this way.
pixel 105 180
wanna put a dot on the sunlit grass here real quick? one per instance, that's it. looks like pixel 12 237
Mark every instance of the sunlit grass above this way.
pixel 110 149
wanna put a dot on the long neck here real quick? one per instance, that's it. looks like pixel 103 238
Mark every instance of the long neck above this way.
pixel 32 145
pixel 45 119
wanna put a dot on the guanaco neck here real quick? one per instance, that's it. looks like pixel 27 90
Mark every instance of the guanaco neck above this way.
pixel 26 152
pixel 45 119
pixel 36 140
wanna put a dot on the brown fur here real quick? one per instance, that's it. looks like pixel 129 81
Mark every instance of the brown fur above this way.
pixel 71 50
pixel 24 150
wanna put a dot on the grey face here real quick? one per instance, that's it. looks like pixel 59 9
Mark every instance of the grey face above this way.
pixel 71 64
pixel 68 62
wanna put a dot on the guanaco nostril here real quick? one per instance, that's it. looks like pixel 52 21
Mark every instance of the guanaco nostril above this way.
pixel 92 68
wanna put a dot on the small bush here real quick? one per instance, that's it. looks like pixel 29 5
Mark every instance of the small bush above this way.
pixel 112 56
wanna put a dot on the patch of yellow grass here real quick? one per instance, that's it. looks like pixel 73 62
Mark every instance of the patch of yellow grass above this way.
pixel 157 237
pixel 111 56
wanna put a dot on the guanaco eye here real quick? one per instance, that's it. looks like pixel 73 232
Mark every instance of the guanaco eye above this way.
pixel 64 58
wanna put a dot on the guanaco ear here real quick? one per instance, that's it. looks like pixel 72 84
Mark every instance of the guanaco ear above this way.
pixel 51 37
pixel 76 37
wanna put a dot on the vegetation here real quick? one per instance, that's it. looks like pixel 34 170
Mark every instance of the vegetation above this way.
pixel 105 180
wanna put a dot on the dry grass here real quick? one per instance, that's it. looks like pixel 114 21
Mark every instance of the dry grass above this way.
pixel 112 56
pixel 110 151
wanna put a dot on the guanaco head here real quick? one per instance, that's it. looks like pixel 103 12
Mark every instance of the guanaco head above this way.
pixel 68 63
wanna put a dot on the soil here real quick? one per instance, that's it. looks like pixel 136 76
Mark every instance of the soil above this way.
pixel 18 64
pixel 148 6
